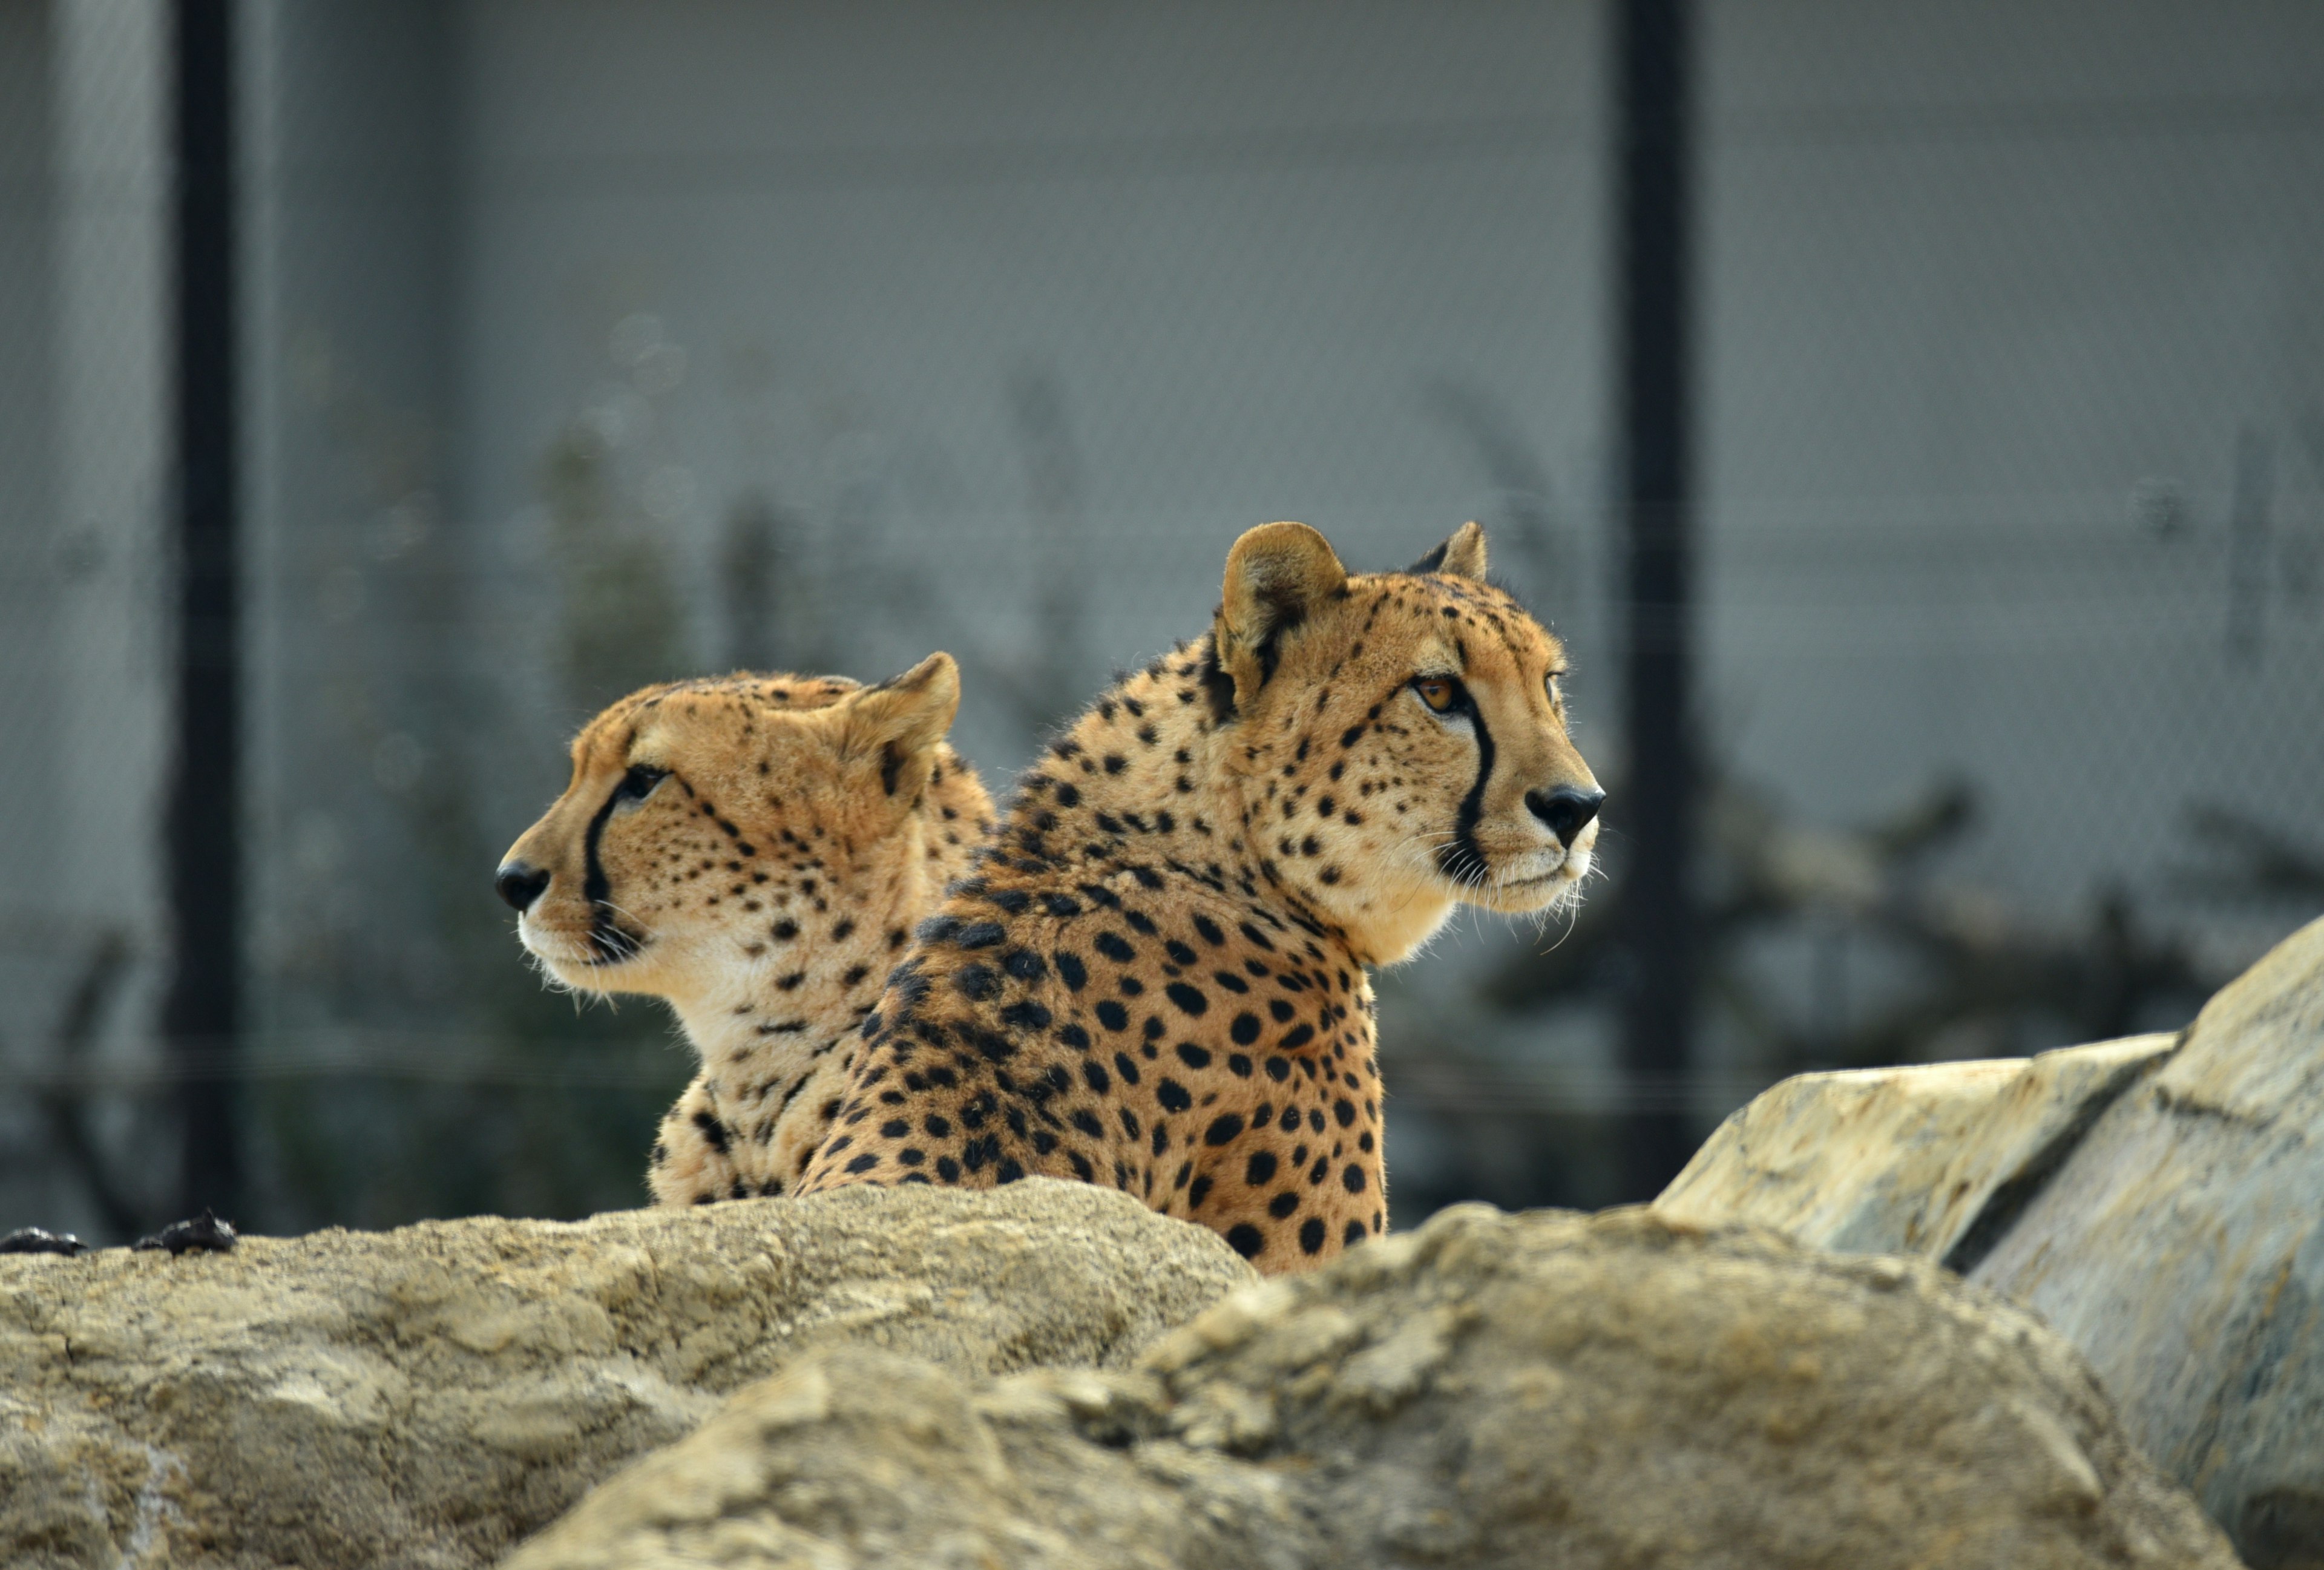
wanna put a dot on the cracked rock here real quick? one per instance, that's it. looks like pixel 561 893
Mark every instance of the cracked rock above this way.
pixel 1488 1391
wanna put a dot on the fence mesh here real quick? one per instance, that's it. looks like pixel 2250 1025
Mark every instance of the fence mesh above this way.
pixel 586 346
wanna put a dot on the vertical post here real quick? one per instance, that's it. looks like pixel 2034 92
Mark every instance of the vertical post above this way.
pixel 201 1013
pixel 1653 275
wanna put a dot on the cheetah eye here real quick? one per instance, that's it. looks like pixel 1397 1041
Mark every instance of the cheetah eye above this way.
pixel 639 783
pixel 1440 693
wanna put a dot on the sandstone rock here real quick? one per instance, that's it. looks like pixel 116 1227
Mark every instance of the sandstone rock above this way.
pixel 2181 1248
pixel 1926 1159
pixel 427 1397
pixel 1487 1391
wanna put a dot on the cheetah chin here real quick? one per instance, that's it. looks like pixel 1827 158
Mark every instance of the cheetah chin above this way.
pixel 755 849
pixel 1157 976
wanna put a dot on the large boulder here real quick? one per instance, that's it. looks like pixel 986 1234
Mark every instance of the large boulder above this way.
pixel 428 1397
pixel 1487 1391
pixel 2181 1248
pixel 2160 1202
pixel 1929 1158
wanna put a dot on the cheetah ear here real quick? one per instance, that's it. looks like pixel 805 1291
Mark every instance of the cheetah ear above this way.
pixel 900 722
pixel 1278 576
pixel 1462 556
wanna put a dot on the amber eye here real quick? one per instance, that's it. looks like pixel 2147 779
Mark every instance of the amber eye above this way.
pixel 639 783
pixel 1436 691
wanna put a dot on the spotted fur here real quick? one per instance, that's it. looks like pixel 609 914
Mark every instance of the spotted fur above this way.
pixel 1158 976
pixel 754 849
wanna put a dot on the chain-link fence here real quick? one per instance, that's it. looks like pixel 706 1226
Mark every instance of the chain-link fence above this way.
pixel 586 346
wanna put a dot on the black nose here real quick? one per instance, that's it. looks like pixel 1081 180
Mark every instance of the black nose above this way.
pixel 520 885
pixel 1566 810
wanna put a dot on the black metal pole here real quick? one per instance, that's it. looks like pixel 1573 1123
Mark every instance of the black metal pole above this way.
pixel 201 1013
pixel 1657 801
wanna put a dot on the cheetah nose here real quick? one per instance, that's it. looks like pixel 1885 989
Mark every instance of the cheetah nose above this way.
pixel 1566 810
pixel 520 884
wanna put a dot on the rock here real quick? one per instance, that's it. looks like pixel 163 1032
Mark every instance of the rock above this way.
pixel 2158 1201
pixel 427 1397
pixel 1487 1391
pixel 2181 1248
pixel 1928 1160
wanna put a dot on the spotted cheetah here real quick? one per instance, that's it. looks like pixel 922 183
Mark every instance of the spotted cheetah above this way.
pixel 1156 976
pixel 754 849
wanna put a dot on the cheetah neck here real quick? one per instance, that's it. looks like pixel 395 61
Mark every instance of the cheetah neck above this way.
pixel 771 1017
pixel 1146 784
pixel 779 996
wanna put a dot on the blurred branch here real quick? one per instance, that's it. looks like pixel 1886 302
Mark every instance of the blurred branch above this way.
pixel 2264 863
pixel 1979 961
pixel 100 981
pixel 1512 468
pixel 1042 683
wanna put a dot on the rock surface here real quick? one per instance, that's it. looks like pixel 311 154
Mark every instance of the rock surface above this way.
pixel 2158 1201
pixel 1925 1159
pixel 427 1397
pixel 1487 1391
pixel 2181 1248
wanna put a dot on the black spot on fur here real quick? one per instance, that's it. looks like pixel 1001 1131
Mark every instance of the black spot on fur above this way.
pixel 713 1131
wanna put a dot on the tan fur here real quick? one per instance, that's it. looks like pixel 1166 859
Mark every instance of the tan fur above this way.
pixel 763 887
pixel 1157 976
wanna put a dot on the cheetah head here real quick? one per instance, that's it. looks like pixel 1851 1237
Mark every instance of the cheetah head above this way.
pixel 1400 737
pixel 707 822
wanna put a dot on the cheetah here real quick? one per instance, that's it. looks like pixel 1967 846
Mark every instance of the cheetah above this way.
pixel 755 850
pixel 1157 974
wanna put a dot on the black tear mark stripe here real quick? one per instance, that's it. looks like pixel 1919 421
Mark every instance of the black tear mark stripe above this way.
pixel 609 941
pixel 1462 860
